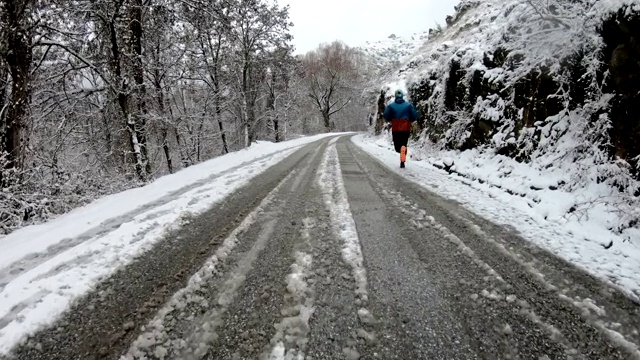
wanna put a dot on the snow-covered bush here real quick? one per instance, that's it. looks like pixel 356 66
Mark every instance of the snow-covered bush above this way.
pixel 39 193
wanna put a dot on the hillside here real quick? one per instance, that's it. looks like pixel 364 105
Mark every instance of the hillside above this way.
pixel 388 54
pixel 536 98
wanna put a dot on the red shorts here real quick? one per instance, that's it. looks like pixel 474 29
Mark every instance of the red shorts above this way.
pixel 400 125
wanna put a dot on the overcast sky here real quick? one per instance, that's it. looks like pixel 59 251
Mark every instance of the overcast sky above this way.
pixel 358 21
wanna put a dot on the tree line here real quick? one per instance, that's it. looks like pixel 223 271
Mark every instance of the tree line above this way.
pixel 101 95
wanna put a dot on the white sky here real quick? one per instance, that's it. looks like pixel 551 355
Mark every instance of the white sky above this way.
pixel 357 21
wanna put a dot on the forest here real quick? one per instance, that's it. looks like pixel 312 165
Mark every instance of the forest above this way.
pixel 97 96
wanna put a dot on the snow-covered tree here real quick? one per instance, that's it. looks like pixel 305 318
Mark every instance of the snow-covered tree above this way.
pixel 255 29
pixel 101 95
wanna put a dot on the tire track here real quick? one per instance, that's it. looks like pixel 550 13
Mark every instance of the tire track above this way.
pixel 250 323
pixel 193 298
pixel 344 227
pixel 175 332
pixel 290 340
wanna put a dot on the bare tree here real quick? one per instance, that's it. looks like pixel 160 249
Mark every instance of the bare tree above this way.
pixel 279 92
pixel 136 116
pixel 163 57
pixel 330 72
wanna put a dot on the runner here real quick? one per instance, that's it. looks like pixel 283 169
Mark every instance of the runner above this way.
pixel 401 114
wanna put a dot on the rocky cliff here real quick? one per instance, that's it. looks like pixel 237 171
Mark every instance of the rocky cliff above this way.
pixel 554 84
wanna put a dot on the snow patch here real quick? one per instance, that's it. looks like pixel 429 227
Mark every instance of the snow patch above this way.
pixel 291 332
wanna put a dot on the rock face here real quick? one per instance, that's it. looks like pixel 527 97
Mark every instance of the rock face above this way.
pixel 489 81
pixel 621 56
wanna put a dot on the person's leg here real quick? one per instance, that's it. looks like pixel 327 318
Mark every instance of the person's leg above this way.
pixel 403 140
pixel 397 140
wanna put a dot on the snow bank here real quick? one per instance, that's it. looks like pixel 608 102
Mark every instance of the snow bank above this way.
pixel 38 238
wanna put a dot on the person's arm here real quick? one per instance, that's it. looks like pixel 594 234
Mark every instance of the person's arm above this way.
pixel 387 113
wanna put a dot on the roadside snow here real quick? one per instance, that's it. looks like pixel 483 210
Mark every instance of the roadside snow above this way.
pixel 38 238
pixel 45 267
pixel 511 193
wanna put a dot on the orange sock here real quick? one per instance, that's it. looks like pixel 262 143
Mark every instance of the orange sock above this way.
pixel 403 154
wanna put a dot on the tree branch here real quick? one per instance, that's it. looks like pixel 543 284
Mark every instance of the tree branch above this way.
pixel 548 18
pixel 81 58
pixel 340 108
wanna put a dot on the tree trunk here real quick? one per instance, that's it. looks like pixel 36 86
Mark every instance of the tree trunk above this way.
pixel 381 108
pixel 19 60
pixel 247 143
pixel 123 98
pixel 284 132
pixel 327 120
pixel 225 147
pixel 165 147
pixel 245 121
pixel 164 128
pixel 245 103
pixel 138 116
pixel 133 137
pixel 137 152
pixel 217 91
pixel 112 157
pixel 183 158
pixel 251 121
pixel 4 88
pixel 272 105
pixel 199 136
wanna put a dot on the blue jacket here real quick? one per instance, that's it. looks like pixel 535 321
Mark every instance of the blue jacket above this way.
pixel 401 113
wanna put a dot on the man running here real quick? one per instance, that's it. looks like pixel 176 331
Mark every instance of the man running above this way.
pixel 401 114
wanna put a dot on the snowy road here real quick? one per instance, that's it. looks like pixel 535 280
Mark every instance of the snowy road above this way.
pixel 330 255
